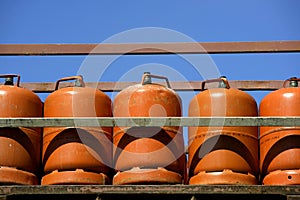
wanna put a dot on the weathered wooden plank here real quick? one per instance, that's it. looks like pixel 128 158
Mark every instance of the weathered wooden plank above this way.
pixel 147 122
pixel 151 48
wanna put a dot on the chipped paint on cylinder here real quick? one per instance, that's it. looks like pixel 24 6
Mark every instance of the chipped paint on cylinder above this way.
pixel 215 149
pixel 148 147
pixel 86 148
pixel 280 146
pixel 19 147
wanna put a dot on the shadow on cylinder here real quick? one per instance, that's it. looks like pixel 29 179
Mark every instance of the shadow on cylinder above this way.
pixel 222 155
pixel 81 155
pixel 280 146
pixel 148 155
pixel 19 147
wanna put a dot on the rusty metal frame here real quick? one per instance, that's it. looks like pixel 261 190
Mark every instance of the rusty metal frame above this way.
pixel 151 48
pixel 135 192
pixel 249 85
pixel 154 48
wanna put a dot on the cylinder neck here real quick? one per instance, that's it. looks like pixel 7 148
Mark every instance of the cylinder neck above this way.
pixel 9 81
pixel 78 83
pixel 222 84
pixel 147 79
pixel 293 83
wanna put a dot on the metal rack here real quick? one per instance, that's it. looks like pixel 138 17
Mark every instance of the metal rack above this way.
pixel 153 191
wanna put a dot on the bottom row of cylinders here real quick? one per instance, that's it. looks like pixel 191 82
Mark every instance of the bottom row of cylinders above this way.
pixel 148 155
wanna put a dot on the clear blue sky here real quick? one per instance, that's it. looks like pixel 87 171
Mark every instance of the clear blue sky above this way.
pixel 94 21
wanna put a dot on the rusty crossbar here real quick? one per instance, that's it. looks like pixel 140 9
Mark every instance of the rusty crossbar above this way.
pixel 47 87
pixel 151 48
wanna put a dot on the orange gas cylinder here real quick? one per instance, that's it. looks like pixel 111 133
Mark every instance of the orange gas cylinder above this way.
pixel 148 155
pixel 19 147
pixel 81 155
pixel 222 155
pixel 280 146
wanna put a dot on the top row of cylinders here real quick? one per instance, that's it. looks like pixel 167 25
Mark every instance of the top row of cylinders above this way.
pixel 148 155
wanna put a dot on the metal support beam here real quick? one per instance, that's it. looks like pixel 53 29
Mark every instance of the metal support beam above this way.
pixel 149 122
pixel 249 85
pixel 150 48
pixel 151 189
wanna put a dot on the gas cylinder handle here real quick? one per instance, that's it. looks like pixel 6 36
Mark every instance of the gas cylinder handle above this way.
pixel 221 79
pixel 148 75
pixel 12 76
pixel 70 78
pixel 292 79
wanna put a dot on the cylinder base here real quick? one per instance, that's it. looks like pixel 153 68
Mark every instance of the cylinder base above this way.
pixel 225 177
pixel 283 177
pixel 77 177
pixel 147 176
pixel 13 176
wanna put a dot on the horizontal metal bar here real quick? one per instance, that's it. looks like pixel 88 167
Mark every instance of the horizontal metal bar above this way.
pixel 150 121
pixel 150 48
pixel 46 87
pixel 150 189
